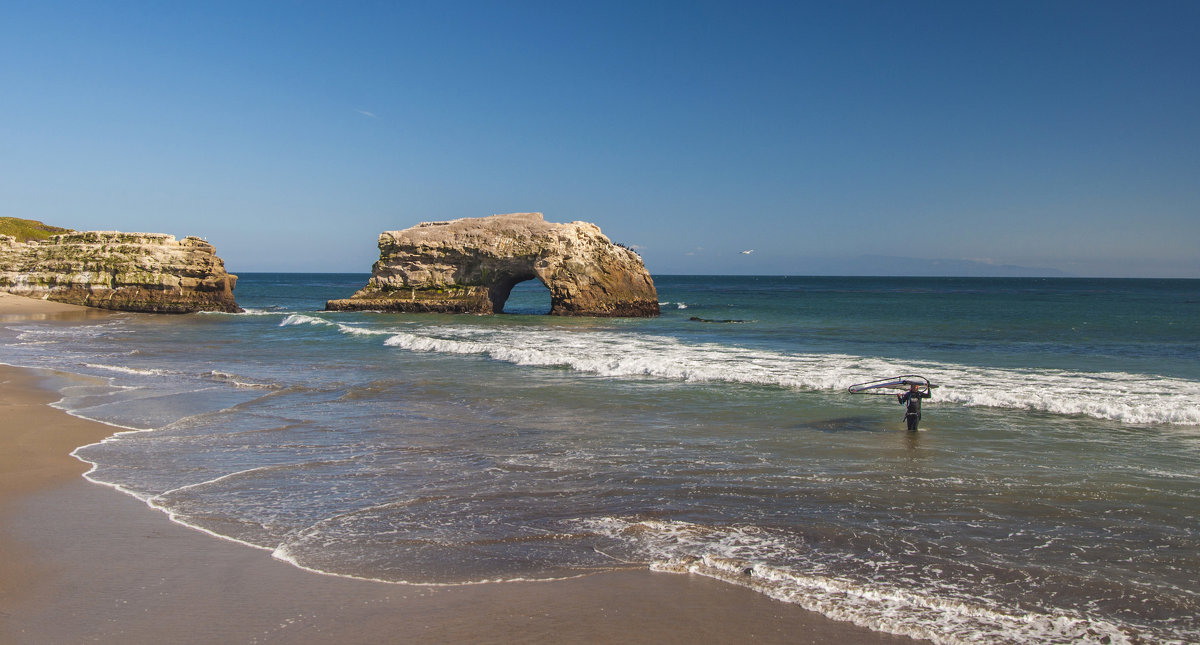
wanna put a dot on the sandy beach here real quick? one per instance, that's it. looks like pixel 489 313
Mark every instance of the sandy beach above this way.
pixel 82 563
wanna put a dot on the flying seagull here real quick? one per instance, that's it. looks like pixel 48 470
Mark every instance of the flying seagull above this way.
pixel 747 252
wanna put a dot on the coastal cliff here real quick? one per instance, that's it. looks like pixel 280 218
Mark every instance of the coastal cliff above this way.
pixel 148 272
pixel 470 265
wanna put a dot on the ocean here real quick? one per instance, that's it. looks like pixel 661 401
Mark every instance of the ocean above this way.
pixel 1052 494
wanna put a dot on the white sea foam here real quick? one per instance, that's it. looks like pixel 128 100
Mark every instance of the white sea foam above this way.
pixel 737 555
pixel 904 612
pixel 284 553
pixel 255 312
pixel 127 370
pixel 238 382
pixel 1127 398
pixel 305 319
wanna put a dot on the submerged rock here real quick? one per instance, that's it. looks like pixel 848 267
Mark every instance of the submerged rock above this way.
pixel 470 265
pixel 149 272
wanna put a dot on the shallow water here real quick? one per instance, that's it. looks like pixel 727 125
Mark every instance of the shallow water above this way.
pixel 1051 496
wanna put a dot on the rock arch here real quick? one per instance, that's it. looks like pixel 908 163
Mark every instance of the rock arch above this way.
pixel 471 265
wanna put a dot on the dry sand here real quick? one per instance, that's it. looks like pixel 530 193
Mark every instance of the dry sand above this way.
pixel 83 563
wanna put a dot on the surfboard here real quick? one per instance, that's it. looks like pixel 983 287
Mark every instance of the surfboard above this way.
pixel 892 385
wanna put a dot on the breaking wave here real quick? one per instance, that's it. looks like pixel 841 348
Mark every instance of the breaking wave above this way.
pixel 1115 396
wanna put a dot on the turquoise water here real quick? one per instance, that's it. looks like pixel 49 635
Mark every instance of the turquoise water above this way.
pixel 1051 495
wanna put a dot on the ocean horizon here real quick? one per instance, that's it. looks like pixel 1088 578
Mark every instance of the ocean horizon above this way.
pixel 1051 494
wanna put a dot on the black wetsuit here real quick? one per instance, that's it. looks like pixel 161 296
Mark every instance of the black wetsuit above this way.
pixel 912 415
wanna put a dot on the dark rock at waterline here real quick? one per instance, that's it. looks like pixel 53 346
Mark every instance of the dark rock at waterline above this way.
pixel 710 320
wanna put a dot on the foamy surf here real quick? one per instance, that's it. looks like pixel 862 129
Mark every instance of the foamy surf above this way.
pixel 1121 397
pixel 902 612
pixel 240 382
pixel 293 320
pixel 736 555
pixel 121 369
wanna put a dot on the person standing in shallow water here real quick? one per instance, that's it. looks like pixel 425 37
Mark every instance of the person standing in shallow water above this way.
pixel 912 400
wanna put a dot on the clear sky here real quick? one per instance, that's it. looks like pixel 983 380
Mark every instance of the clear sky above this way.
pixel 1052 134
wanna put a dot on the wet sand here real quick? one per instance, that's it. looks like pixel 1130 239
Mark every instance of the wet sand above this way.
pixel 15 308
pixel 80 562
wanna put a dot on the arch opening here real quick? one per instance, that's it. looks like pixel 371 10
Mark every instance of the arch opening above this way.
pixel 526 296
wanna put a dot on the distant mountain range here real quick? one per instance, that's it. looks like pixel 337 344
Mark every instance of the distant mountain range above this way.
pixel 885 265
pixel 889 265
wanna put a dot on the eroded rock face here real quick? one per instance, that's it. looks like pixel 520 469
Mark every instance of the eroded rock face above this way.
pixel 470 265
pixel 149 272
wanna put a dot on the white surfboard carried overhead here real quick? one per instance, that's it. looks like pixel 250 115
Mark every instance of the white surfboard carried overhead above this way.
pixel 893 385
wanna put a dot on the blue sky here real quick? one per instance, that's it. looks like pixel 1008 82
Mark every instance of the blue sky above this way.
pixel 1058 135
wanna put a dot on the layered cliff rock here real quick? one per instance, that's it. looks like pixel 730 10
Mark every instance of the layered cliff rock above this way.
pixel 148 272
pixel 470 265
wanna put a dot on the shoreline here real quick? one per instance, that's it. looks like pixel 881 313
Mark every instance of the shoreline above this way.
pixel 80 562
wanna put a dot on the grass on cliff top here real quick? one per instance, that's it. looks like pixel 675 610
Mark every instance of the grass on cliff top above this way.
pixel 28 229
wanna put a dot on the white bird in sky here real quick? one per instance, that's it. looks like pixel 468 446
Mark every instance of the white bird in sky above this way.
pixel 747 252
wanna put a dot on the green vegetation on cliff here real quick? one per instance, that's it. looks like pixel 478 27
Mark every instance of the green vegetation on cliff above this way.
pixel 28 229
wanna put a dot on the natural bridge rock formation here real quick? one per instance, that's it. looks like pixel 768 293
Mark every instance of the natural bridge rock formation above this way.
pixel 470 265
pixel 148 272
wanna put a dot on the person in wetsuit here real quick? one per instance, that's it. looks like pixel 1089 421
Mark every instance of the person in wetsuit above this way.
pixel 912 400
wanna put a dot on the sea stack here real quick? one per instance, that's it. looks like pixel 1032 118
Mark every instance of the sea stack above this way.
pixel 470 265
pixel 148 272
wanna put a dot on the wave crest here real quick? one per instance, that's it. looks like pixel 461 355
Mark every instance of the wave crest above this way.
pixel 1122 397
